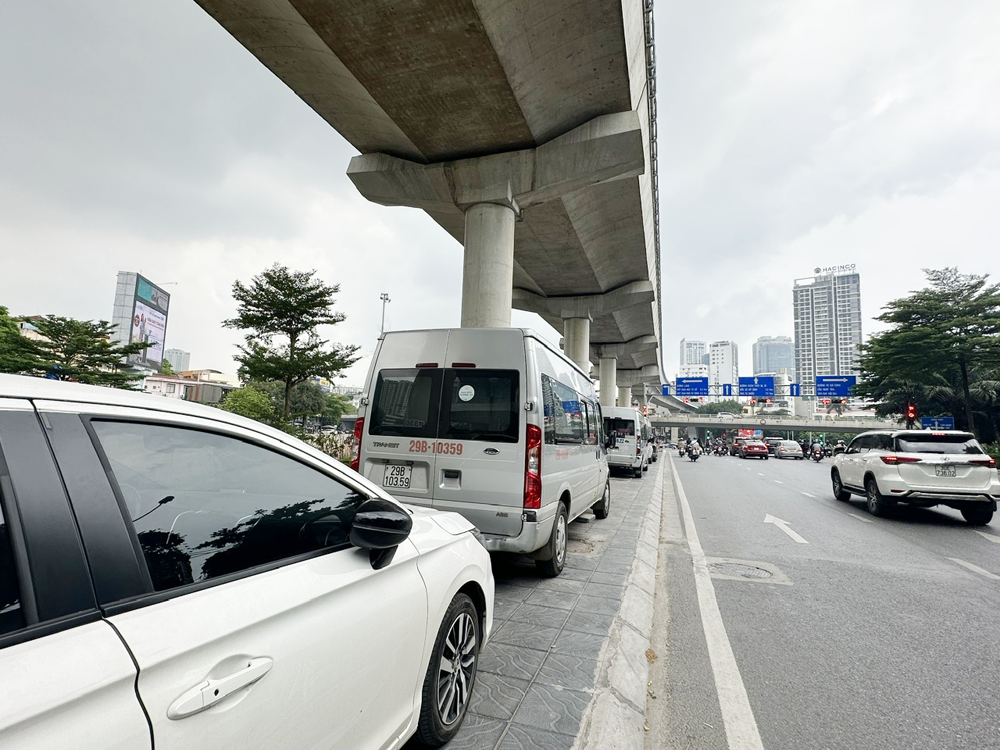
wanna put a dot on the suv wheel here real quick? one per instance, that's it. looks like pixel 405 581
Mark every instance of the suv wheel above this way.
pixel 556 546
pixel 977 516
pixel 451 674
pixel 878 505
pixel 838 488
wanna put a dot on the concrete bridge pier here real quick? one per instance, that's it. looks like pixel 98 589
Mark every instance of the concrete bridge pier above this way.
pixel 488 272
pixel 576 338
pixel 624 395
pixel 607 374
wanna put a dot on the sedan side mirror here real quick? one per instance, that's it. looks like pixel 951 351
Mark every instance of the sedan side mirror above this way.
pixel 380 527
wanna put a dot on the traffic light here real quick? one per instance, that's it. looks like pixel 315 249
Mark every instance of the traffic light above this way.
pixel 826 402
pixel 911 412
pixel 753 401
pixel 767 400
pixel 645 410
pixel 686 399
pixel 700 400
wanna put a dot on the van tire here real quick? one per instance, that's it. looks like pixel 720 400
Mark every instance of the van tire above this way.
pixel 602 509
pixel 556 546
pixel 637 473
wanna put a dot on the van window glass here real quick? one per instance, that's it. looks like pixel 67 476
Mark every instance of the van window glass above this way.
pixel 548 411
pixel 621 427
pixel 590 434
pixel 11 616
pixel 206 505
pixel 406 403
pixel 951 444
pixel 567 413
pixel 480 405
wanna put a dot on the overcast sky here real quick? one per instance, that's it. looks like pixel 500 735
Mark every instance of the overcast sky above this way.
pixel 138 135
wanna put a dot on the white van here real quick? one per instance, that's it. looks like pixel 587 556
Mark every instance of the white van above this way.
pixel 631 432
pixel 493 423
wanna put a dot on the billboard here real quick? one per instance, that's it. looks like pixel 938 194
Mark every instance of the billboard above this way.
pixel 149 323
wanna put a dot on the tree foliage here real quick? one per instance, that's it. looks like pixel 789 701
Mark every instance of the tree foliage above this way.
pixel 17 353
pixel 281 311
pixel 941 351
pixel 83 351
pixel 732 406
pixel 250 402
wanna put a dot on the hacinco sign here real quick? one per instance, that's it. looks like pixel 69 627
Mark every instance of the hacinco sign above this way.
pixel 850 268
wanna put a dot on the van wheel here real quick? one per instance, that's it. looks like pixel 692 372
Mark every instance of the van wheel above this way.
pixel 637 473
pixel 602 509
pixel 556 547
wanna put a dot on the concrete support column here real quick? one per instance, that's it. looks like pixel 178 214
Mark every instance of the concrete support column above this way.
pixel 576 338
pixel 625 396
pixel 488 274
pixel 608 375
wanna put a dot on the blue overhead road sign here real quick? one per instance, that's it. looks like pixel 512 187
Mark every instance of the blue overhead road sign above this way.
pixel 758 385
pixel 794 389
pixel 835 385
pixel 727 389
pixel 692 386
pixel 938 423
pixel 666 389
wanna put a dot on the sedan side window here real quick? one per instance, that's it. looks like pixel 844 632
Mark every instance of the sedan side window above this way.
pixel 11 615
pixel 206 505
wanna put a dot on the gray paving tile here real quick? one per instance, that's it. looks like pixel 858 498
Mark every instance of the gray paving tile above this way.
pixel 496 696
pixel 578 644
pixel 561 584
pixel 613 566
pixel 503 608
pixel 536 614
pixel 558 599
pixel 568 671
pixel 526 738
pixel 477 733
pixel 606 590
pixel 530 636
pixel 512 593
pixel 614 579
pixel 552 709
pixel 589 622
pixel 574 574
pixel 580 561
pixel 511 661
pixel 598 605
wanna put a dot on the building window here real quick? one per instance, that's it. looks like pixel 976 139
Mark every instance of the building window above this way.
pixel 171 387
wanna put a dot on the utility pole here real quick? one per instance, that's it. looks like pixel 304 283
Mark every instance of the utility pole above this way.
pixel 385 298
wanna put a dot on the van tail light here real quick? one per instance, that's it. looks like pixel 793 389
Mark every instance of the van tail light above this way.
pixel 533 468
pixel 990 462
pixel 892 460
pixel 638 446
pixel 359 427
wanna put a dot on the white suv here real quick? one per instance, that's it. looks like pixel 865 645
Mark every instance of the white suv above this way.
pixel 921 468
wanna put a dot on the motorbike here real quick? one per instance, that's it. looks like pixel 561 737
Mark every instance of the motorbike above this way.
pixel 720 450
pixel 817 455
pixel 693 452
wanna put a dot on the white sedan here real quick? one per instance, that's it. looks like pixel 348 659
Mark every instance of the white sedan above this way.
pixel 174 575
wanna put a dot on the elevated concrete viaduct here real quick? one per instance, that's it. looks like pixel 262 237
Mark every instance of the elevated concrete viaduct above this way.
pixel 522 127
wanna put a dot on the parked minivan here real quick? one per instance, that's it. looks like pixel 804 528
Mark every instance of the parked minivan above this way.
pixel 631 432
pixel 493 423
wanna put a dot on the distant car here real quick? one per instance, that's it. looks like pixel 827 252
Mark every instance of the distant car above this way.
pixel 788 449
pixel 173 575
pixel 772 443
pixel 725 415
pixel 919 468
pixel 753 449
pixel 734 447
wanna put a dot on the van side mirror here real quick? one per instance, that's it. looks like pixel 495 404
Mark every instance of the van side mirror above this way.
pixel 610 441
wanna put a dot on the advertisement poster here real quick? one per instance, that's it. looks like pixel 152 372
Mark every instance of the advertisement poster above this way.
pixel 149 326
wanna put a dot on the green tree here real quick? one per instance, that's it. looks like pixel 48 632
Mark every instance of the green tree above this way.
pixel 166 368
pixel 17 353
pixel 947 332
pixel 249 402
pixel 337 406
pixel 83 350
pixel 731 406
pixel 305 400
pixel 281 311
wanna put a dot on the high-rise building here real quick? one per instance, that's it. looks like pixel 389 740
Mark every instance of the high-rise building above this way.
pixel 827 310
pixel 140 315
pixel 692 353
pixel 723 367
pixel 771 353
pixel 179 360
pixel 693 371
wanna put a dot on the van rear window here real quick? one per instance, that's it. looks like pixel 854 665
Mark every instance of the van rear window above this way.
pixel 621 427
pixel 447 403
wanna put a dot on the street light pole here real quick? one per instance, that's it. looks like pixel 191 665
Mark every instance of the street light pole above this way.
pixel 385 298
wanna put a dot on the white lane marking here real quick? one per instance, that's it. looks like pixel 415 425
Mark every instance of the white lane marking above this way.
pixel 759 474
pixel 737 715
pixel 860 518
pixel 783 525
pixel 992 537
pixel 778 481
pixel 808 495
pixel 975 569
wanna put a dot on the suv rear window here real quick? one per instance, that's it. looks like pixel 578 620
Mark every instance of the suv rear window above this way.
pixel 930 443
pixel 457 404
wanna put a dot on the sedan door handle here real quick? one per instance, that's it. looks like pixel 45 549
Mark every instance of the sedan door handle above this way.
pixel 210 692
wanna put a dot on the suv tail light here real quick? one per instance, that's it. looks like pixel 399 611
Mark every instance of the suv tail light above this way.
pixel 533 468
pixel 991 462
pixel 892 460
pixel 359 427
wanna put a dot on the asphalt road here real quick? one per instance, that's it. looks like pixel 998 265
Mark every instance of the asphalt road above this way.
pixel 879 637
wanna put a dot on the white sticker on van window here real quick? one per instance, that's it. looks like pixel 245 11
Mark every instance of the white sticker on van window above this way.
pixel 466 392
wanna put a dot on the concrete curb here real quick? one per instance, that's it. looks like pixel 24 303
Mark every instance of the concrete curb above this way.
pixel 615 717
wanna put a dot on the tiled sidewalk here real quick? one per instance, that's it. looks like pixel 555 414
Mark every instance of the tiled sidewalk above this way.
pixel 536 676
